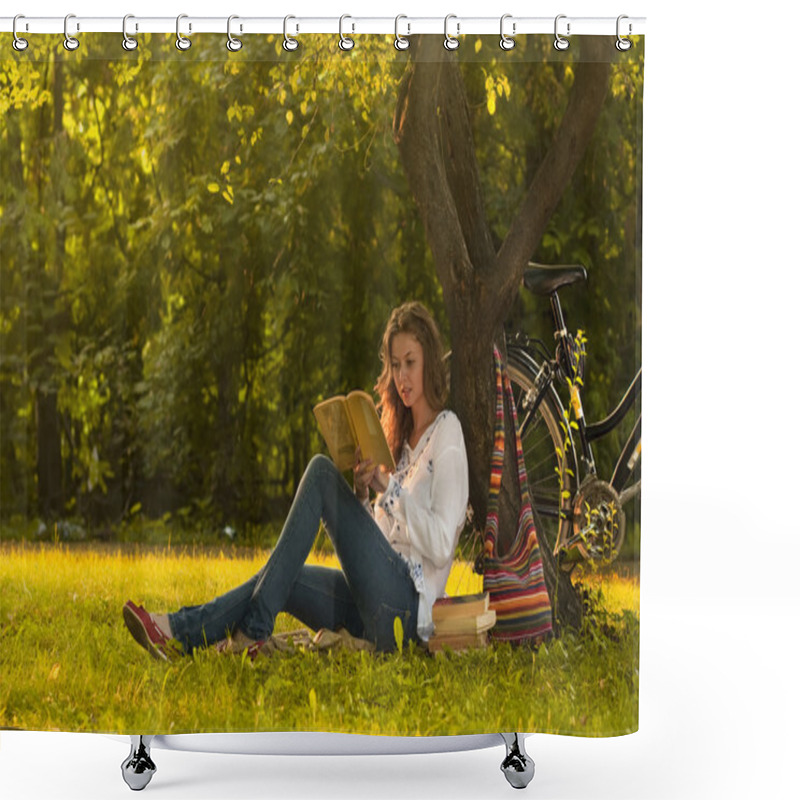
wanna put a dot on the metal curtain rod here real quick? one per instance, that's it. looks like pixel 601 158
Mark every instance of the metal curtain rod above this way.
pixel 457 26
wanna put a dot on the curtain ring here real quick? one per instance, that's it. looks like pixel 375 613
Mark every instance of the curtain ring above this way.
pixel 128 42
pixel 623 44
pixel 181 42
pixel 400 42
pixel 70 42
pixel 506 42
pixel 560 42
pixel 234 44
pixel 450 43
pixel 18 44
pixel 289 44
pixel 345 42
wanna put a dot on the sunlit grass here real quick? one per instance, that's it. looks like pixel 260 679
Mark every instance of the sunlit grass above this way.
pixel 68 663
pixel 620 592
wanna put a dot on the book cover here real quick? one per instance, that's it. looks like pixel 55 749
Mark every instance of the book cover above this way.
pixel 351 421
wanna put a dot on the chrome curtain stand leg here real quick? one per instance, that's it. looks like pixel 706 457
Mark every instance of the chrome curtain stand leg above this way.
pixel 138 768
pixel 518 766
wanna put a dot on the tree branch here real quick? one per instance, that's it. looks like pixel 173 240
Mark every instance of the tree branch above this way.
pixel 461 169
pixel 418 135
pixel 555 172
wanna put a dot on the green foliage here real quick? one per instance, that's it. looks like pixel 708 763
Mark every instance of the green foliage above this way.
pixel 597 223
pixel 223 262
pixel 572 413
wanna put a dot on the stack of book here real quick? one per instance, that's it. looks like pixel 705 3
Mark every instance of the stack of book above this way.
pixel 461 622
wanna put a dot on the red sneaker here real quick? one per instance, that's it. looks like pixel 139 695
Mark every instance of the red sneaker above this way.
pixel 148 634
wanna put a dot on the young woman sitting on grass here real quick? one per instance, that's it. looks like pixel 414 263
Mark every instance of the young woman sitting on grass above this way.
pixel 395 553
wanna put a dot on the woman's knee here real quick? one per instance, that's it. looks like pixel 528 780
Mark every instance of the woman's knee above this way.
pixel 321 471
pixel 320 474
pixel 320 465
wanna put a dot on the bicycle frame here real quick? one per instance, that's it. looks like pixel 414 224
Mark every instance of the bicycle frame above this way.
pixel 588 433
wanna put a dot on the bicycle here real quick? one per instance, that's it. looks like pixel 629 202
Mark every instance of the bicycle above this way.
pixel 581 515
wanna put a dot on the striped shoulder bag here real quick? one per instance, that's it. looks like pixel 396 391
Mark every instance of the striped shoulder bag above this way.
pixel 515 581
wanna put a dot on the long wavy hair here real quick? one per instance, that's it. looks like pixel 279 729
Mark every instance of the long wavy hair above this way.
pixel 397 421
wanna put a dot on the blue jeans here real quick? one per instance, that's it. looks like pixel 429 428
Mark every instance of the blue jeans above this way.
pixel 373 588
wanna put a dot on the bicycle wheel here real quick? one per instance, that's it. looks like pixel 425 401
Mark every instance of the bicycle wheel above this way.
pixel 542 438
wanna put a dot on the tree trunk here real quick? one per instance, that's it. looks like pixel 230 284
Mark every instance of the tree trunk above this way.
pixel 47 320
pixel 479 283
pixel 14 497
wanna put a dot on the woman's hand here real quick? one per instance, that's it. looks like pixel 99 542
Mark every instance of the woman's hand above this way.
pixel 363 475
pixel 380 479
pixel 367 475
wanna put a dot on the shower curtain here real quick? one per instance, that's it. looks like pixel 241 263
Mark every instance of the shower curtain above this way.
pixel 199 244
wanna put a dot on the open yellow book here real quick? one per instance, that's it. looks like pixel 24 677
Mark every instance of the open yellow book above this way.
pixel 350 422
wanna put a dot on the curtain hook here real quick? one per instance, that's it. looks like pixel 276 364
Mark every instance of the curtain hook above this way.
pixel 18 44
pixel 623 44
pixel 70 42
pixel 289 44
pixel 560 42
pixel 506 42
pixel 128 42
pixel 181 42
pixel 450 43
pixel 400 42
pixel 233 44
pixel 345 42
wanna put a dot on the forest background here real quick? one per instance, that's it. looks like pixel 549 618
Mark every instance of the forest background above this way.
pixel 194 254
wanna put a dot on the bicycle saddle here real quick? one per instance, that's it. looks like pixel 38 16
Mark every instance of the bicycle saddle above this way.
pixel 544 279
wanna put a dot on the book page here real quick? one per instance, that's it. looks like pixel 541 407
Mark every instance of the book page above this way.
pixel 460 606
pixel 454 626
pixel 367 429
pixel 334 423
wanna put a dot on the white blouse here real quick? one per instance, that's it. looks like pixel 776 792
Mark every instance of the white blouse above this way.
pixel 424 508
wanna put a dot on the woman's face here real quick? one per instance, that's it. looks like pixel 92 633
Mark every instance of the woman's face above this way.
pixel 407 368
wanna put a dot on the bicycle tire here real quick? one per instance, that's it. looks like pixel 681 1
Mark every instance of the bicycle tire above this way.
pixel 542 439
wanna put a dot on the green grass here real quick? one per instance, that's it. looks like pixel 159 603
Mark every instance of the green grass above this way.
pixel 67 661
